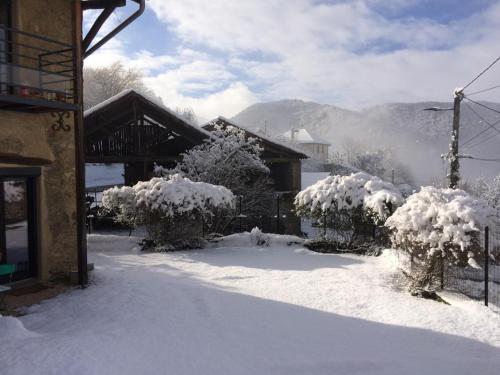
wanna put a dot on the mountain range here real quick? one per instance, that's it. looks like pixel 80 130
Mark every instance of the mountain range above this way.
pixel 415 136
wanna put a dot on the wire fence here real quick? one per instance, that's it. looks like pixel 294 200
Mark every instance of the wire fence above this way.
pixel 275 216
pixel 481 282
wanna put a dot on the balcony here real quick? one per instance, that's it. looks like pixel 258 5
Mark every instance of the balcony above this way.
pixel 37 73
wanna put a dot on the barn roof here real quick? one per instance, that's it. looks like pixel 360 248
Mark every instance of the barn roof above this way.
pixel 130 126
pixel 270 145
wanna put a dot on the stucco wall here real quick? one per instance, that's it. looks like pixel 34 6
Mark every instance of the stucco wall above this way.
pixel 31 135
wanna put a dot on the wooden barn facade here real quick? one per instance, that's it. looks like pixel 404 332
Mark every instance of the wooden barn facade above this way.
pixel 131 129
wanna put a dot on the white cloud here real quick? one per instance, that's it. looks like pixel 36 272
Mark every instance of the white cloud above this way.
pixel 341 52
pixel 232 53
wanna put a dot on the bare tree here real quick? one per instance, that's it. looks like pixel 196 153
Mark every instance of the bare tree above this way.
pixel 104 82
pixel 187 113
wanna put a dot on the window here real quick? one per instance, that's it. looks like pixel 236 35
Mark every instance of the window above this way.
pixel 18 221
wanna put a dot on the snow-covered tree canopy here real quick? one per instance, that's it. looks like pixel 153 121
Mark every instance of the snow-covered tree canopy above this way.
pixel 436 220
pixel 229 158
pixel 167 197
pixel 333 194
pixel 232 159
pixel 489 190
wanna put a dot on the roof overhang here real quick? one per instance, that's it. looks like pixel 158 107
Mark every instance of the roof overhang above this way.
pixel 107 7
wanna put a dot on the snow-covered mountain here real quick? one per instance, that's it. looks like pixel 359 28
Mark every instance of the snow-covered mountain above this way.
pixel 416 136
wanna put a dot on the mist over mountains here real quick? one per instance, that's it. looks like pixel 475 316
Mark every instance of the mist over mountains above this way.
pixel 415 136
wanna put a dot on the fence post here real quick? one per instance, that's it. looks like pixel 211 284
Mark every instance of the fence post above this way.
pixel 442 270
pixel 324 226
pixel 486 264
pixel 278 214
pixel 241 225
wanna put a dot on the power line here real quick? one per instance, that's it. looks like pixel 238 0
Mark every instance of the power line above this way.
pixel 481 104
pixel 490 126
pixel 481 159
pixel 480 74
pixel 486 121
pixel 479 143
pixel 484 90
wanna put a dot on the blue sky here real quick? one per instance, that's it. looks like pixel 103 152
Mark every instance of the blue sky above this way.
pixel 220 56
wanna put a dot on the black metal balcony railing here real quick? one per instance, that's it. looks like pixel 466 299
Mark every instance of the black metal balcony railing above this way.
pixel 36 72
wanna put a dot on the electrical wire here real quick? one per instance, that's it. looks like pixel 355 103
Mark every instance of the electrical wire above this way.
pixel 481 142
pixel 484 90
pixel 466 144
pixel 481 104
pixel 481 159
pixel 491 126
pixel 480 74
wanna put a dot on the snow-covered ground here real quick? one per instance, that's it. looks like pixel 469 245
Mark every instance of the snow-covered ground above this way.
pixel 310 178
pixel 241 309
pixel 103 174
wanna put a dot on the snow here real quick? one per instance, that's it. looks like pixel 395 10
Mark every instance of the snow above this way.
pixel 437 217
pixel 302 136
pixel 103 104
pixel 124 93
pixel 170 196
pixel 310 178
pixel 103 174
pixel 228 156
pixel 256 135
pixel 348 192
pixel 240 309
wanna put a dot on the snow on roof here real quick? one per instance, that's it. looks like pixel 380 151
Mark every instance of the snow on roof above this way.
pixel 303 136
pixel 105 103
pixel 154 101
pixel 257 134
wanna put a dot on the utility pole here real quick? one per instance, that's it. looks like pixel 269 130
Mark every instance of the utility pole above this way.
pixel 453 156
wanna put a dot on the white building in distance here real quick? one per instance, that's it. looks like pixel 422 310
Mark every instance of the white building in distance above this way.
pixel 315 147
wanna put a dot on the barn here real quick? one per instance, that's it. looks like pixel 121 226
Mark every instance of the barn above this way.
pixel 137 131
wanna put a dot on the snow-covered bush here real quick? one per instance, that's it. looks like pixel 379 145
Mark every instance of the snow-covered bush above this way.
pixel 258 237
pixel 172 208
pixel 359 197
pixel 121 202
pixel 230 159
pixel 436 225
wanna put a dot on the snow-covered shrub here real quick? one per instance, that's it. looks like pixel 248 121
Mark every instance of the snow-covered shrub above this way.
pixel 440 225
pixel 230 159
pixel 359 198
pixel 172 209
pixel 259 238
pixel 121 202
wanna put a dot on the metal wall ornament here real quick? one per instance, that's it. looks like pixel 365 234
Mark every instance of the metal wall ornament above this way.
pixel 59 123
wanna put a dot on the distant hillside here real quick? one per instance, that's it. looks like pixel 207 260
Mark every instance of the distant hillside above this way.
pixel 417 137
